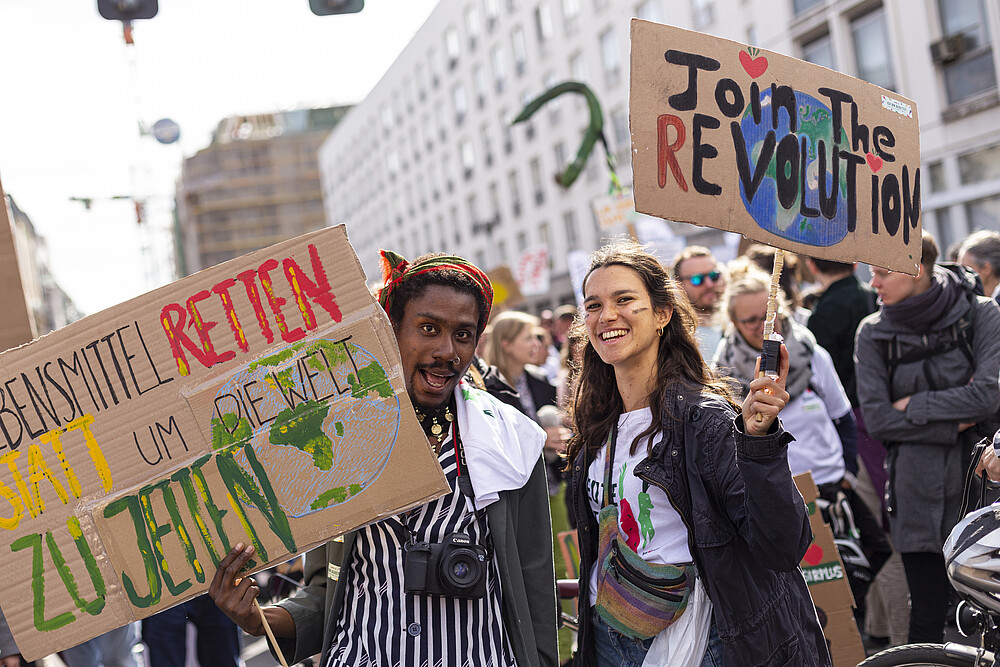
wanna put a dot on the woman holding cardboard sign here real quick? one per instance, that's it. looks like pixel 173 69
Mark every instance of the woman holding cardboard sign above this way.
pixel 690 527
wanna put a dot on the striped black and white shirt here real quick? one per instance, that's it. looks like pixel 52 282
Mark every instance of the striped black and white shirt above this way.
pixel 381 626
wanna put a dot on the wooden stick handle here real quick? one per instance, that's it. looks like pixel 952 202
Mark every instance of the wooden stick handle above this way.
pixel 270 635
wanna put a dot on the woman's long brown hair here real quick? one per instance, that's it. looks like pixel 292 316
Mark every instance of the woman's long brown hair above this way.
pixel 597 402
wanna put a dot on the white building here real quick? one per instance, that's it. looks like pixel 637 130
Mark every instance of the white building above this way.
pixel 429 161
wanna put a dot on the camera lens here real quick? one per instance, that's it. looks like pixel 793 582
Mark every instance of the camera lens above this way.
pixel 461 569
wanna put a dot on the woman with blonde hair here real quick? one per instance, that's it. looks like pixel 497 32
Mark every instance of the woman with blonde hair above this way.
pixel 513 348
pixel 691 529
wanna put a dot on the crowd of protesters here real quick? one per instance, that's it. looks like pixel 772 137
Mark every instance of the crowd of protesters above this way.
pixel 643 404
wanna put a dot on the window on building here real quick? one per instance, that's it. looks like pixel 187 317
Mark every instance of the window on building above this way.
pixel 481 258
pixel 802 5
pixel 492 13
pixel 610 58
pixel 543 234
pixel 571 15
pixel 392 162
pixel 459 102
pixel 650 10
pixel 751 34
pixel 452 47
pixel 984 213
pixel 473 24
pixel 515 193
pixel 468 155
pixel 528 125
pixel 434 173
pixel 820 52
pixel 386 116
pixel 622 140
pixel 435 66
pixel 521 241
pixel 537 183
pixel 935 174
pixel 449 174
pixel 969 70
pixel 494 192
pixel 479 83
pixel 703 12
pixel 455 224
pixel 502 252
pixel 421 78
pixel 578 67
pixel 871 49
pixel 486 135
pixel 519 49
pixel 978 166
pixel 543 24
pixel 569 226
pixel 560 152
pixel 507 130
pixel 472 209
pixel 600 4
pixel 554 106
pixel 441 120
pixel 499 68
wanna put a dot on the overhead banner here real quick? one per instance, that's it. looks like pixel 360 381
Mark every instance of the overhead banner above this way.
pixel 782 151
pixel 260 401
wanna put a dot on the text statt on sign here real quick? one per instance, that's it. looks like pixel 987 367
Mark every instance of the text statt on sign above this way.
pixel 782 151
pixel 260 401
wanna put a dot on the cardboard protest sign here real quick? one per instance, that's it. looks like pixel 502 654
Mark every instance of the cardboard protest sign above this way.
pixel 614 210
pixel 260 401
pixel 533 271
pixel 825 574
pixel 784 152
pixel 17 325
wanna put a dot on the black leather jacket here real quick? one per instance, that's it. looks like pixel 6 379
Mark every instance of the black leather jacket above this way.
pixel 747 531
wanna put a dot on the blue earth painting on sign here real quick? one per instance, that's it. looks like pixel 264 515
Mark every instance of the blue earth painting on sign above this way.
pixel 322 418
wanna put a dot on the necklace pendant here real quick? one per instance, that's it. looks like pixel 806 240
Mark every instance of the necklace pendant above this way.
pixel 448 416
pixel 436 428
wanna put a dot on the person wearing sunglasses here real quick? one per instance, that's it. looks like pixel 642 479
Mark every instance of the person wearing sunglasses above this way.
pixel 696 269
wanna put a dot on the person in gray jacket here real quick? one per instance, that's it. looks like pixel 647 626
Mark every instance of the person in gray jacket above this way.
pixel 928 364
pixel 383 608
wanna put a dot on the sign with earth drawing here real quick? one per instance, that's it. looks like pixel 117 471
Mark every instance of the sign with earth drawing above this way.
pixel 259 402
pixel 785 152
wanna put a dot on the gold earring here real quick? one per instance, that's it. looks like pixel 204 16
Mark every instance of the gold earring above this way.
pixel 659 332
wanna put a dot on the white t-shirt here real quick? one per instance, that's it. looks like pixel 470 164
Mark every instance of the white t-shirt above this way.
pixel 649 524
pixel 809 417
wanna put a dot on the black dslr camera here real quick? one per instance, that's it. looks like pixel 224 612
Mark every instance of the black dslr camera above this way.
pixel 455 567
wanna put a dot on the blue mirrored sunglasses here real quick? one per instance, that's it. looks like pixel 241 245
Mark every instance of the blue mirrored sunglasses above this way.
pixel 698 278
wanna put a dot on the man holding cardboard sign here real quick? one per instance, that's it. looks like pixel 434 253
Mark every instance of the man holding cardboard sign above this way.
pixel 471 559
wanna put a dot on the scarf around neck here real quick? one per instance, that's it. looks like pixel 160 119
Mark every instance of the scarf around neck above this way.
pixel 737 358
pixel 921 312
pixel 502 445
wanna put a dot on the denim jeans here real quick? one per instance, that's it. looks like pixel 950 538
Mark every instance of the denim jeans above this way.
pixel 616 650
pixel 165 635
pixel 112 649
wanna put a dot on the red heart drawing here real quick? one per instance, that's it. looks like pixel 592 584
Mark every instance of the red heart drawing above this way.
pixel 814 554
pixel 753 66
pixel 874 161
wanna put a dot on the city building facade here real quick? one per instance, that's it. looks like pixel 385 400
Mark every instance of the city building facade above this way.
pixel 256 184
pixel 429 161
pixel 48 306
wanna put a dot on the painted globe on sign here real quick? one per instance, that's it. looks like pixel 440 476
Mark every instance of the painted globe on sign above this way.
pixel 335 421
pixel 815 124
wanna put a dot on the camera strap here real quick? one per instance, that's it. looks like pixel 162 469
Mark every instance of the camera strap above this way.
pixel 464 484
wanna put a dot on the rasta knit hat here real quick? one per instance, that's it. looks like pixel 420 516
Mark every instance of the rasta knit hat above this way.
pixel 396 271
